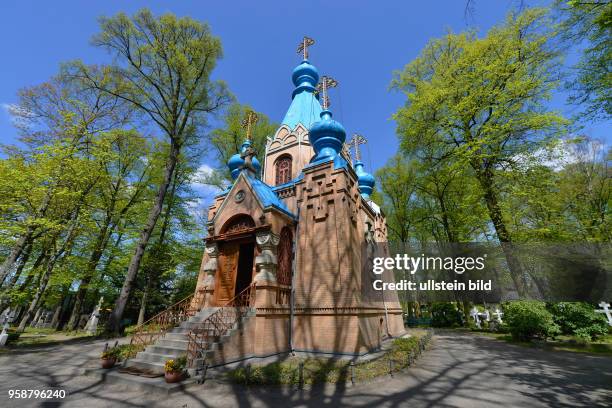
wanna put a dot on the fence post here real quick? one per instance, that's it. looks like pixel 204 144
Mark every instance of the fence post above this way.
pixel 247 373
pixel 301 374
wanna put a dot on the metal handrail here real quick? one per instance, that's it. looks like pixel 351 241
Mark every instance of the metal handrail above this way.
pixel 218 324
pixel 158 325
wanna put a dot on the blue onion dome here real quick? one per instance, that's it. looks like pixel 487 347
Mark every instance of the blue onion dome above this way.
pixel 365 180
pixel 305 77
pixel 235 164
pixel 256 164
pixel 327 137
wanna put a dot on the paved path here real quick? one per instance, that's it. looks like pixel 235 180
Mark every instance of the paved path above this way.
pixel 461 370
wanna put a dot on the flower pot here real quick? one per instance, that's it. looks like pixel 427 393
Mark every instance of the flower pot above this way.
pixel 108 362
pixel 174 376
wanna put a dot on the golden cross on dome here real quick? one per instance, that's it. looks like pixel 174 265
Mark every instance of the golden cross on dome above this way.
pixel 248 122
pixel 326 83
pixel 354 144
pixel 303 46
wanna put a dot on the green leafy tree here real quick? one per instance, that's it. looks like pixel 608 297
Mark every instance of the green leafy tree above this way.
pixel 589 21
pixel 480 102
pixel 163 67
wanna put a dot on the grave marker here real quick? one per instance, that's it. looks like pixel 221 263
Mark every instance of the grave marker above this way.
pixel 606 310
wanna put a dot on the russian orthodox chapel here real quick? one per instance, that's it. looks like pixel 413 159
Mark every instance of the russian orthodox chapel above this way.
pixel 292 227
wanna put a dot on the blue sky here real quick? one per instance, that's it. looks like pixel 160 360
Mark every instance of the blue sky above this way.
pixel 360 43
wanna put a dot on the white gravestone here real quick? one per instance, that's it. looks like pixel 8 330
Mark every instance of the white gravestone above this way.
pixel 6 318
pixel 486 315
pixel 475 315
pixel 606 310
pixel 92 325
pixel 498 315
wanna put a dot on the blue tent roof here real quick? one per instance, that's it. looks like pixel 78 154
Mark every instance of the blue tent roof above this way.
pixel 305 107
pixel 266 195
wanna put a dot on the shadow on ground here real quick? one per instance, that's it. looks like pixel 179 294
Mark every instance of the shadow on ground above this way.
pixel 461 370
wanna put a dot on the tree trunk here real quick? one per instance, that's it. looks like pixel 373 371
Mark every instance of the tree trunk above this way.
pixel 56 315
pixel 92 264
pixel 114 321
pixel 44 279
pixel 516 270
pixel 8 263
pixel 17 250
pixel 23 260
pixel 143 303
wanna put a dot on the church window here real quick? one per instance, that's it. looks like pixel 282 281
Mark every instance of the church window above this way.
pixel 283 169
pixel 285 257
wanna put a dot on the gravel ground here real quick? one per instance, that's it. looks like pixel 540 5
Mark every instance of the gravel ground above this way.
pixel 460 370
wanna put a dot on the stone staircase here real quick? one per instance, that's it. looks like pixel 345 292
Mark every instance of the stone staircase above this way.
pixel 174 344
pixel 170 346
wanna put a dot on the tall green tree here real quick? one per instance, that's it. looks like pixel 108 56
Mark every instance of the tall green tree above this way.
pixel 591 82
pixel 480 102
pixel 163 67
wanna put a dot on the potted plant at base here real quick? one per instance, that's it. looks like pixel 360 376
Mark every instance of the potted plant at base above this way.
pixel 109 357
pixel 175 369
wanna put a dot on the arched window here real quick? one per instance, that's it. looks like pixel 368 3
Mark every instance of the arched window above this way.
pixel 285 257
pixel 283 169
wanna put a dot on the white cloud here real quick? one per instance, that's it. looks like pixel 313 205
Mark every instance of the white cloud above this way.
pixel 564 153
pixel 205 192
pixel 15 110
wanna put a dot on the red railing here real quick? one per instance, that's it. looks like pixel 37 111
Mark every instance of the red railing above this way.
pixel 159 324
pixel 218 324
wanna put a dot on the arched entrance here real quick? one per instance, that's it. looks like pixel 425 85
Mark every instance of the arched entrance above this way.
pixel 236 258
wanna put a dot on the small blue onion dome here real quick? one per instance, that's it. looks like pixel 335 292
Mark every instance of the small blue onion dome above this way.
pixel 365 180
pixel 305 77
pixel 256 164
pixel 327 137
pixel 235 164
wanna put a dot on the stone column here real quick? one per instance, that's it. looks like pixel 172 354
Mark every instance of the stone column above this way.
pixel 266 261
pixel 210 268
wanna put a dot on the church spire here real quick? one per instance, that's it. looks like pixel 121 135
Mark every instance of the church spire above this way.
pixel 305 107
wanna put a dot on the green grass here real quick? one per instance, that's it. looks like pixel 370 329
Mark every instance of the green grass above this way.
pixel 602 345
pixel 33 337
pixel 320 370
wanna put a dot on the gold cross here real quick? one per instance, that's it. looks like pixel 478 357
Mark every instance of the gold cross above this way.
pixel 326 83
pixel 303 46
pixel 248 122
pixel 354 144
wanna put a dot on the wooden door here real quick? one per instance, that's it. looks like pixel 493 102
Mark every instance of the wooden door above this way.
pixel 226 278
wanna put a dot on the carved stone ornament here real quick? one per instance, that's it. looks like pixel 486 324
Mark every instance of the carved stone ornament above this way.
pixel 212 250
pixel 239 196
pixel 266 261
pixel 266 239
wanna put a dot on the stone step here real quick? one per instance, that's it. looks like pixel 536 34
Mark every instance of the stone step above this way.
pixel 155 367
pixel 169 350
pixel 156 358
pixel 170 342
pixel 174 336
